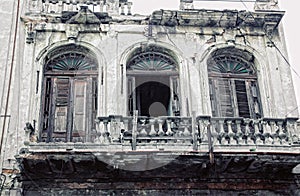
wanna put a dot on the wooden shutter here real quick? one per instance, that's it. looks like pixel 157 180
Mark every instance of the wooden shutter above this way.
pixel 242 92
pixel 224 96
pixel 93 109
pixel 131 93
pixel 46 122
pixel 174 106
pixel 79 110
pixel 255 101
pixel 61 97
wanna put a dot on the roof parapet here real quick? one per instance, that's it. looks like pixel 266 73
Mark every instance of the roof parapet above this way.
pixel 56 7
pixel 266 5
pixel 186 4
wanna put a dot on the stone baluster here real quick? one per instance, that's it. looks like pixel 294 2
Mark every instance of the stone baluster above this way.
pixel 30 133
pixel 281 133
pixel 129 5
pixel 74 5
pixel 169 130
pixel 152 127
pixel 185 124
pixel 100 131
pixel 95 6
pixel 160 122
pixel 274 132
pixel 60 6
pixel 143 125
pixel 126 123
pixel 239 132
pixel 122 8
pixel 107 135
pixel 67 6
pixel 115 127
pixel 267 133
pixel 101 6
pixel 231 134
pixel 214 132
pixel 257 133
pixel 203 129
pixel 248 139
pixel 195 131
pixel 221 132
pixel 46 6
pixel 51 8
pixel 292 131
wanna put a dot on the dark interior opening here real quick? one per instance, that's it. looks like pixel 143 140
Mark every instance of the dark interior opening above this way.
pixel 152 99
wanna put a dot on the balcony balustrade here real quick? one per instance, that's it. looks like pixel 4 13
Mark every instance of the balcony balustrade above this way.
pixel 191 133
pixel 59 6
pixel 146 131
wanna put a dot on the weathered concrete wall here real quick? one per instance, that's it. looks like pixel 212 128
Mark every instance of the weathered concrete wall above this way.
pixel 190 44
pixel 11 79
pixel 113 44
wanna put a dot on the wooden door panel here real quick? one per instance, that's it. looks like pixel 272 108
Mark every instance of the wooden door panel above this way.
pixel 61 97
pixel 79 107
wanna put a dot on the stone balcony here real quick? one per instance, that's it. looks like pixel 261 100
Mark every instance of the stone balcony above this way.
pixel 185 134
pixel 203 149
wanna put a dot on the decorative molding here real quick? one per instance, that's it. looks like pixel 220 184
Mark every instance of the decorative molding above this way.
pixel 151 61
pixel 84 16
pixel 186 4
pixel 72 31
pixel 266 5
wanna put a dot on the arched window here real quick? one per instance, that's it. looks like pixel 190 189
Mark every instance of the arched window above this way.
pixel 70 95
pixel 233 84
pixel 153 85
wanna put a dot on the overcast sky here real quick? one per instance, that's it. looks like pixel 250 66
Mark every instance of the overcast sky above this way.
pixel 290 21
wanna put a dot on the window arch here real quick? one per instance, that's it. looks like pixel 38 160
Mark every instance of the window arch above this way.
pixel 233 84
pixel 151 61
pixel 153 83
pixel 70 95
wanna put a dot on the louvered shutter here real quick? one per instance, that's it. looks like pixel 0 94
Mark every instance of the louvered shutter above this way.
pixel 80 110
pixel 241 93
pixel 224 96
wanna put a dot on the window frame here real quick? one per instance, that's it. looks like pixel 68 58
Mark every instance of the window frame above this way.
pixel 163 69
pixel 251 89
pixel 82 75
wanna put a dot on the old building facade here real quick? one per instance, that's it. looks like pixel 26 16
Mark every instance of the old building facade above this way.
pixel 96 100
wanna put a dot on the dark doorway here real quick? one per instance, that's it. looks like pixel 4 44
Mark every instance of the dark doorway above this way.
pixel 152 99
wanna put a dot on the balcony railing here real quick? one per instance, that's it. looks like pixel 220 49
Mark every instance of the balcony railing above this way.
pixel 192 133
pixel 59 6
pixel 146 131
